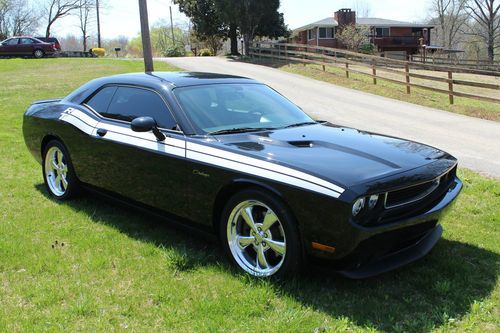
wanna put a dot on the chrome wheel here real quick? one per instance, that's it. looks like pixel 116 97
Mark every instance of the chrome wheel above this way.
pixel 56 171
pixel 38 54
pixel 256 238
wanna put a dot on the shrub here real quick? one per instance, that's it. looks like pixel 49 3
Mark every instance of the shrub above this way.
pixel 205 53
pixel 174 51
pixel 100 52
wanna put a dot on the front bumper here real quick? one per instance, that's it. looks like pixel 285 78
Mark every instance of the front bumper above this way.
pixel 379 250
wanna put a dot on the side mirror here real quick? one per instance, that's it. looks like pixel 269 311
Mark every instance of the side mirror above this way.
pixel 146 124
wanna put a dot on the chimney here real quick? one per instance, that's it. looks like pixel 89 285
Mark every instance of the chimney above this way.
pixel 345 17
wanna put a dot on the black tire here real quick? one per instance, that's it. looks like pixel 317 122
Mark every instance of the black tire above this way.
pixel 72 187
pixel 38 54
pixel 291 261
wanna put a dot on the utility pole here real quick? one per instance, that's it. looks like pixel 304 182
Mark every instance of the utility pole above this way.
pixel 98 24
pixel 146 39
pixel 172 27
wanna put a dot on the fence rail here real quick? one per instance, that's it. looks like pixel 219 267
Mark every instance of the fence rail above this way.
pixel 324 56
pixel 476 64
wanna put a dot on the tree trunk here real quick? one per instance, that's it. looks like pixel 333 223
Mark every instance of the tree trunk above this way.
pixel 47 31
pixel 233 36
pixel 491 48
pixel 84 42
pixel 246 41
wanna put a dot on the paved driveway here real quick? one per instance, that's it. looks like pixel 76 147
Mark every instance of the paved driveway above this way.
pixel 475 142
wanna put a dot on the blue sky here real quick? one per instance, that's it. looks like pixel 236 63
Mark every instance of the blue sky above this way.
pixel 121 17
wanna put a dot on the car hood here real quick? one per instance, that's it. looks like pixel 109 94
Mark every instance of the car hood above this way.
pixel 344 156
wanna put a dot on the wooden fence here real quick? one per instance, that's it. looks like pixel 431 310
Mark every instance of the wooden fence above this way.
pixel 440 60
pixel 324 56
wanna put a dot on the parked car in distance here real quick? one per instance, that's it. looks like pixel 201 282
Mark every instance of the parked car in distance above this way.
pixel 26 46
pixel 52 40
pixel 231 156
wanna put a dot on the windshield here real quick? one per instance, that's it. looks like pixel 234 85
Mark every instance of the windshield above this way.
pixel 229 107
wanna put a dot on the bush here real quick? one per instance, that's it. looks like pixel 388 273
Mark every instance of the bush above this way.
pixel 367 48
pixel 174 51
pixel 205 53
pixel 100 52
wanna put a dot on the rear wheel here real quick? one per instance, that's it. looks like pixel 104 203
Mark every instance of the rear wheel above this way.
pixel 38 54
pixel 259 234
pixel 58 173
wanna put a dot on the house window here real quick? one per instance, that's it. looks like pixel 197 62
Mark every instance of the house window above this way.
pixel 382 32
pixel 311 34
pixel 326 33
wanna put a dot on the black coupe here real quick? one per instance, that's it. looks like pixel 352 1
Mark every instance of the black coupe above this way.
pixel 232 156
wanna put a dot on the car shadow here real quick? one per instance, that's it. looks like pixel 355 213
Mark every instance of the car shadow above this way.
pixel 441 288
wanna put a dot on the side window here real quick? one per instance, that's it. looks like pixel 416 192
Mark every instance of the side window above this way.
pixel 129 103
pixel 100 101
pixel 26 41
pixel 12 41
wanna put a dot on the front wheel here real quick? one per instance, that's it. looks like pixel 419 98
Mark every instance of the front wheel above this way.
pixel 58 173
pixel 38 54
pixel 259 234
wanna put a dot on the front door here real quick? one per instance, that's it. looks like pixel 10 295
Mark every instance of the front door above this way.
pixel 137 165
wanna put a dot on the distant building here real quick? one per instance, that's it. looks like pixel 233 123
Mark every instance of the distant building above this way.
pixel 390 37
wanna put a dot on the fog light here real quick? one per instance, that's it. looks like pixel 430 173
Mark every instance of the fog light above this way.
pixel 358 206
pixel 372 201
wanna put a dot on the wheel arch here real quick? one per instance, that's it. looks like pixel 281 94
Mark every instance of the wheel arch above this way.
pixel 46 139
pixel 227 191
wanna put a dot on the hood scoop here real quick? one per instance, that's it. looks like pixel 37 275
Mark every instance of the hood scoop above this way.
pixel 302 144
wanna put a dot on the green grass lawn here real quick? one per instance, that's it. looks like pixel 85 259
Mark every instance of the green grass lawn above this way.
pixel 336 75
pixel 90 265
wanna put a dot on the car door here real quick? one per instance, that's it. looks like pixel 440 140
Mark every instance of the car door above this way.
pixel 25 46
pixel 9 47
pixel 136 165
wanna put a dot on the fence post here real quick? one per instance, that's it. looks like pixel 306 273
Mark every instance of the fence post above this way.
pixel 450 86
pixel 407 73
pixel 286 55
pixel 374 71
pixel 323 59
pixel 347 70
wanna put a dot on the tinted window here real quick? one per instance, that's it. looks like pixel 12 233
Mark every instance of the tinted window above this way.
pixel 26 41
pixel 129 103
pixel 100 101
pixel 12 41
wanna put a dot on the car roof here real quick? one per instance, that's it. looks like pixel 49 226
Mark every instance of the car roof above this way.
pixel 178 79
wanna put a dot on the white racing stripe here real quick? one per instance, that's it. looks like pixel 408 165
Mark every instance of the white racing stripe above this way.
pixel 255 170
pixel 201 153
pixel 263 164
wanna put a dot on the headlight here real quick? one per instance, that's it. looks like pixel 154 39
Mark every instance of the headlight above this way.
pixel 372 201
pixel 358 206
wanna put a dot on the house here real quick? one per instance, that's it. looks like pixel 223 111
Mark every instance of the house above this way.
pixel 392 38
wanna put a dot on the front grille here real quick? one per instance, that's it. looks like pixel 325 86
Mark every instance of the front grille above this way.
pixel 410 194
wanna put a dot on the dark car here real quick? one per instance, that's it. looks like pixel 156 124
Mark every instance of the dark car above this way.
pixel 51 40
pixel 231 156
pixel 26 46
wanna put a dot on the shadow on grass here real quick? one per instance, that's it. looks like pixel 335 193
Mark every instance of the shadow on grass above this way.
pixel 441 288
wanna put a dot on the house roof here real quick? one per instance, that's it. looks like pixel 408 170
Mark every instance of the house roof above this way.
pixel 330 22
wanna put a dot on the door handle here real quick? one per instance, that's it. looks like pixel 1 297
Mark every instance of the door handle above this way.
pixel 101 132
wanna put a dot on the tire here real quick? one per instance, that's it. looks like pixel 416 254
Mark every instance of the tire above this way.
pixel 38 54
pixel 259 235
pixel 58 172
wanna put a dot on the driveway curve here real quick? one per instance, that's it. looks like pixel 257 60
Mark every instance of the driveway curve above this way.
pixel 475 142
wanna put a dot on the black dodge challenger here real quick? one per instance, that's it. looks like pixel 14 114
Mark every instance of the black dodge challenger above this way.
pixel 232 156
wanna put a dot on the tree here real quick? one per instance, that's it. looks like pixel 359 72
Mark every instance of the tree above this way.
pixel 450 18
pixel 85 12
pixel 56 9
pixel 255 18
pixel 207 19
pixel 353 37
pixel 486 16
pixel 17 17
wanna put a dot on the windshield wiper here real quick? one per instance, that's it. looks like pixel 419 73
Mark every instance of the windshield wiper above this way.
pixel 241 130
pixel 302 124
